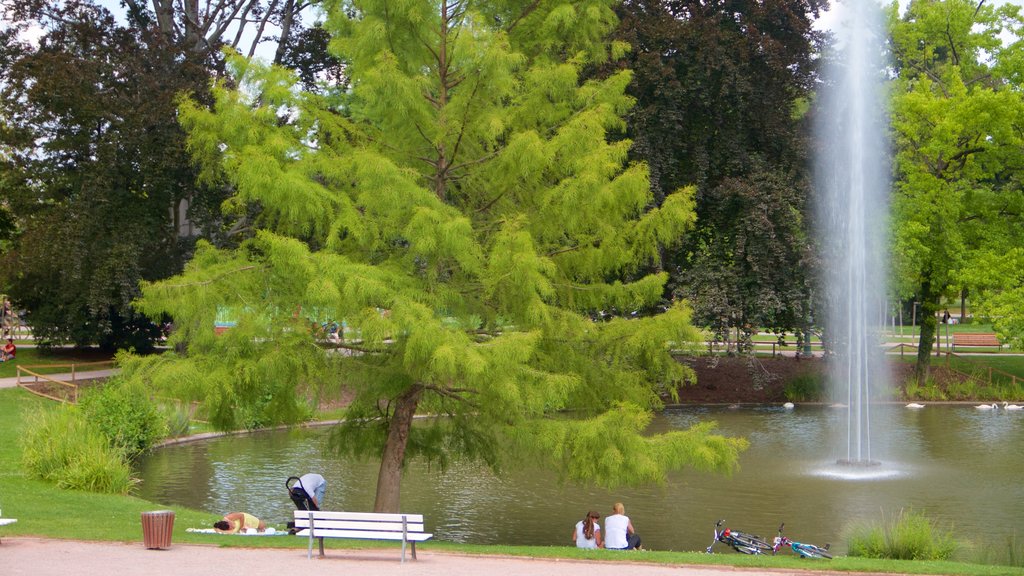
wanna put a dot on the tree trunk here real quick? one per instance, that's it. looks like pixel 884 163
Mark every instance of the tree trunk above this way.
pixel 164 10
pixel 287 18
pixel 929 324
pixel 389 479
pixel 963 304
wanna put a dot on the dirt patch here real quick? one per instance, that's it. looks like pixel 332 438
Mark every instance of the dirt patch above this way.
pixel 61 391
pixel 743 380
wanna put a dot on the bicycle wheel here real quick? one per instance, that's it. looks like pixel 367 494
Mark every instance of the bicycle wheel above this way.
pixel 811 551
pixel 752 543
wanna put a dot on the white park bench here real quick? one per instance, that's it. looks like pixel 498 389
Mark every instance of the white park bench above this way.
pixel 407 528
pixel 6 521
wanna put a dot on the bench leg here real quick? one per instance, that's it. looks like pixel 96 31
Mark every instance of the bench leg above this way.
pixel 321 547
pixel 414 550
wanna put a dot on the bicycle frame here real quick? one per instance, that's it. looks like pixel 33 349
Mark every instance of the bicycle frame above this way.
pixel 739 541
pixel 804 550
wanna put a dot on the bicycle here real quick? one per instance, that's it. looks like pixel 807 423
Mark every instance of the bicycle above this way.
pixel 739 541
pixel 804 550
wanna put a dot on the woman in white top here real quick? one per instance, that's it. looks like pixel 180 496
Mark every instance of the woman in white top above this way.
pixel 618 530
pixel 587 533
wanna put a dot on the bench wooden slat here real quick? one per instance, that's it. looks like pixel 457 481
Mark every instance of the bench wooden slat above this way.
pixel 366 526
pixel 989 340
pixel 367 516
pixel 365 534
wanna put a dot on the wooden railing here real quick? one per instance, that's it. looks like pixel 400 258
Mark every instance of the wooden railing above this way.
pixel 989 371
pixel 28 375
pixel 978 367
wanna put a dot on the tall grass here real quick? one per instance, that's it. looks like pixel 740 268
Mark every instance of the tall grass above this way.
pixel 178 418
pixel 63 447
pixel 906 536
pixel 1007 552
pixel 805 388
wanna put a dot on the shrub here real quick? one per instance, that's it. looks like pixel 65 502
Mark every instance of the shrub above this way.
pixel 131 422
pixel 907 536
pixel 63 447
pixel 930 391
pixel 805 388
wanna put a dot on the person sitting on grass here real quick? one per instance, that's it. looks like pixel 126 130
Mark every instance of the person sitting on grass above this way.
pixel 587 533
pixel 239 522
pixel 8 351
pixel 618 531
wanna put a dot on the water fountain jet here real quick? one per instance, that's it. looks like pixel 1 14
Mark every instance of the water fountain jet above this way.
pixel 852 180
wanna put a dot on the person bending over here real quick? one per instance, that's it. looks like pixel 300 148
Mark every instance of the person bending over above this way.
pixel 312 486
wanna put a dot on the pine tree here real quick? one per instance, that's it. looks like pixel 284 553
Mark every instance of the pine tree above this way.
pixel 462 212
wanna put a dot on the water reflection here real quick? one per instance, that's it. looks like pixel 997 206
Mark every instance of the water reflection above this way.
pixel 950 462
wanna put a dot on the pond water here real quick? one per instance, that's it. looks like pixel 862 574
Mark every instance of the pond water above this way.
pixel 958 465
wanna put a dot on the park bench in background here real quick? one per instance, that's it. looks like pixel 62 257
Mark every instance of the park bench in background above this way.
pixel 976 340
pixel 408 528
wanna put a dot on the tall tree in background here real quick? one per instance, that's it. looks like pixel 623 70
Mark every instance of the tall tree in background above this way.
pixel 958 119
pixel 96 172
pixel 720 89
pixel 462 212
pixel 96 179
pixel 197 29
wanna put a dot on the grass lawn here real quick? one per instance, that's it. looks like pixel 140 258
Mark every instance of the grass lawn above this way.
pixel 44 510
pixel 1009 364
pixel 33 356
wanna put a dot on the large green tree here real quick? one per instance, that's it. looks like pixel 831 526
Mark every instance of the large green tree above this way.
pixel 957 117
pixel 463 212
pixel 721 88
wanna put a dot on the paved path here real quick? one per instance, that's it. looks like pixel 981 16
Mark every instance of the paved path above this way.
pixel 87 375
pixel 23 556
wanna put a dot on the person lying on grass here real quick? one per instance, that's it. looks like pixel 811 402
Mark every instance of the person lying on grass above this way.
pixel 237 522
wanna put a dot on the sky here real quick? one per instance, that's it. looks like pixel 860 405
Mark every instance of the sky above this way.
pixel 827 21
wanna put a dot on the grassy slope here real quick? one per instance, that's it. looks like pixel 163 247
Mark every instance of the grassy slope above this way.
pixel 44 510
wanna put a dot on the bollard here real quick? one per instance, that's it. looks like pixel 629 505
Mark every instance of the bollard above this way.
pixel 156 528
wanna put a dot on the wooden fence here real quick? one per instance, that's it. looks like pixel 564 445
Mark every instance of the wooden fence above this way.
pixel 30 375
pixel 979 373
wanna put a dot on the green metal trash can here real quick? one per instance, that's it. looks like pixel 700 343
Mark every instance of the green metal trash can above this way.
pixel 156 528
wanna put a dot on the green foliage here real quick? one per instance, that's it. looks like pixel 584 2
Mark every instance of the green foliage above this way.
pixel 126 416
pixel 96 175
pixel 958 195
pixel 805 388
pixel 716 87
pixel 608 450
pixel 906 536
pixel 63 447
